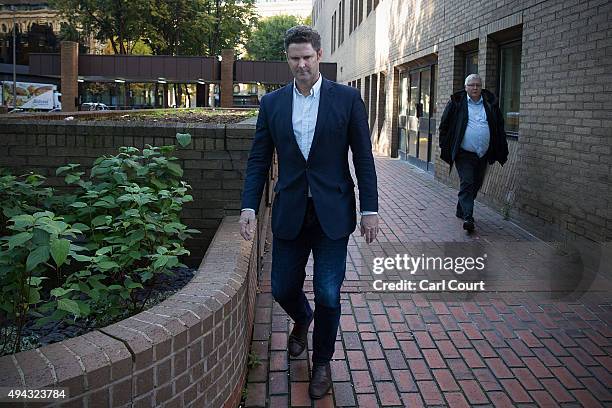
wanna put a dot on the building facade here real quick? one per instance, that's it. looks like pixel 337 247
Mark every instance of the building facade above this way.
pixel 269 8
pixel 549 62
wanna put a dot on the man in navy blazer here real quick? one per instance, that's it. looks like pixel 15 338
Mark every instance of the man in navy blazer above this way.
pixel 311 122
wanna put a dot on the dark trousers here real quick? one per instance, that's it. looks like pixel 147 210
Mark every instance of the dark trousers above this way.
pixel 289 258
pixel 471 170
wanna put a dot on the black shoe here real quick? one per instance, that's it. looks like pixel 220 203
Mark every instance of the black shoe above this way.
pixel 298 339
pixel 320 382
pixel 468 224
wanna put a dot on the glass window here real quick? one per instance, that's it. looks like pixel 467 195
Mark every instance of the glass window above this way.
pixel 414 93
pixel 471 63
pixel 403 107
pixel 510 85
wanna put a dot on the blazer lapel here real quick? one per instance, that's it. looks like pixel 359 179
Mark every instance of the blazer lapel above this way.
pixel 325 98
pixel 287 102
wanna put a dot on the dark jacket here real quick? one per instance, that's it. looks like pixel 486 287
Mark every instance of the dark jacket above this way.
pixel 342 123
pixel 454 122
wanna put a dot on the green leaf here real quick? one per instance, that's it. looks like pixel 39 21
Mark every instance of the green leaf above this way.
pixel 72 178
pixel 59 292
pixel 83 308
pixel 161 261
pixel 136 235
pixel 175 169
pixel 69 306
pixel 101 220
pixel 104 250
pixel 22 221
pixel 62 169
pixel 19 239
pixel 146 275
pixel 40 237
pixel 158 183
pixel 82 258
pixel 81 227
pixel 35 280
pixel 105 265
pixel 130 284
pixel 78 204
pixel 36 257
pixel 59 251
pixel 183 138
pixel 33 296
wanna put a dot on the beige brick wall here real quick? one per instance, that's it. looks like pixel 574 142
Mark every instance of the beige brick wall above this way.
pixel 558 179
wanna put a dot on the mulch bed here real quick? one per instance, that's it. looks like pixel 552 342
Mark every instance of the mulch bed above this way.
pixel 53 332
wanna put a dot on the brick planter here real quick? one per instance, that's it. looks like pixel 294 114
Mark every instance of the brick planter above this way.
pixel 189 351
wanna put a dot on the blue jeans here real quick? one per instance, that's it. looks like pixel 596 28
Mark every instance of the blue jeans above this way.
pixel 289 258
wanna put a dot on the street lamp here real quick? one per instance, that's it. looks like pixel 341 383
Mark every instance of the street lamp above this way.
pixel 14 61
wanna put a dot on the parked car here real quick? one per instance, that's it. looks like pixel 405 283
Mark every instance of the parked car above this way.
pixel 93 106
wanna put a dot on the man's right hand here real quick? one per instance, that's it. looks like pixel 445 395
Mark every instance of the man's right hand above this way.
pixel 247 222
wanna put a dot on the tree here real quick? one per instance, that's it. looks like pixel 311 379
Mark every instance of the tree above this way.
pixel 177 27
pixel 168 27
pixel 267 42
pixel 118 21
pixel 234 20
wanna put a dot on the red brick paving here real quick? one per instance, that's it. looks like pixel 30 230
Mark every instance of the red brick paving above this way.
pixel 511 345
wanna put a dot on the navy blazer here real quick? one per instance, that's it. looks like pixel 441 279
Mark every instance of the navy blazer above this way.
pixel 342 122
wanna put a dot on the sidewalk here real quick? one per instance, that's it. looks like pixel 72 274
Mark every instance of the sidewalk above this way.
pixel 539 335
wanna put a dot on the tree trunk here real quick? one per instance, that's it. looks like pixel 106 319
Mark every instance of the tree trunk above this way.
pixel 188 96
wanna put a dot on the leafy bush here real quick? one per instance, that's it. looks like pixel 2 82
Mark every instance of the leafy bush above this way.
pixel 20 195
pixel 92 248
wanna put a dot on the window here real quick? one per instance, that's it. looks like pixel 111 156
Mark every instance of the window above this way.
pixel 333 32
pixel 360 12
pixel 366 99
pixel 341 23
pixel 382 102
pixel 373 95
pixel 351 24
pixel 471 63
pixel 510 85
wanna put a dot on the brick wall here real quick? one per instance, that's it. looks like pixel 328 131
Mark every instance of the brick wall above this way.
pixel 562 160
pixel 189 351
pixel 213 163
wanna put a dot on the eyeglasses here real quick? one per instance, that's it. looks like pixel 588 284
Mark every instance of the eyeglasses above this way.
pixel 474 85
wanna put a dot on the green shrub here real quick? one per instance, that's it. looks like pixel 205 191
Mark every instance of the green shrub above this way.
pixel 112 234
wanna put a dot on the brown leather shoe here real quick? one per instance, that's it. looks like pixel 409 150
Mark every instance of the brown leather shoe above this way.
pixel 298 339
pixel 320 382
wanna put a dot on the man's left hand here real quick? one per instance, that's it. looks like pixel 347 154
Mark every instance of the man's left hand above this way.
pixel 369 227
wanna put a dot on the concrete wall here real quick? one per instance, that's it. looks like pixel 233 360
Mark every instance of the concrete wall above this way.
pixel 557 183
pixel 213 164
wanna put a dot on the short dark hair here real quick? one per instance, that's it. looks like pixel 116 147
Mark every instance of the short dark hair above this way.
pixel 303 34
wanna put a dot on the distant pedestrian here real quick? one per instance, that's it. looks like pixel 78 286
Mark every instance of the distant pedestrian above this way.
pixel 471 136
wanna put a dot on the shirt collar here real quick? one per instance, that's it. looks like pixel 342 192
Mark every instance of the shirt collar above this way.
pixel 314 91
pixel 478 102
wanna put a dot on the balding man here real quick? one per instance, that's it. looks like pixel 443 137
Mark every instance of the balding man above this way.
pixel 471 136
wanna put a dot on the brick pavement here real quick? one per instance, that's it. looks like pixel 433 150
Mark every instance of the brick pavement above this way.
pixel 538 335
